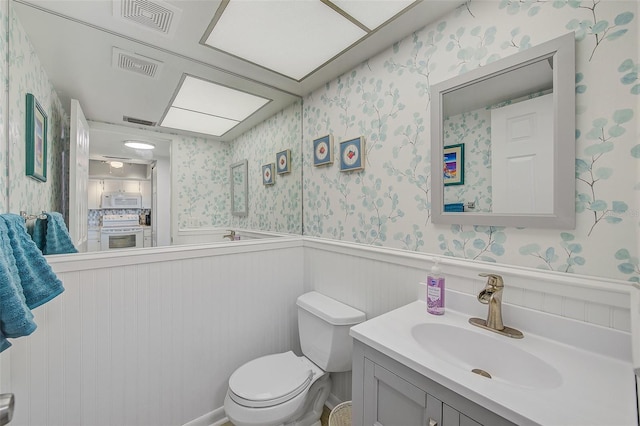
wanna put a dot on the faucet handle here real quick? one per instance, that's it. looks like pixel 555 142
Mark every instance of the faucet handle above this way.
pixel 493 280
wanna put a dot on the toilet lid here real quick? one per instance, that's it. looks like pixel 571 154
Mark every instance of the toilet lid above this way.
pixel 269 380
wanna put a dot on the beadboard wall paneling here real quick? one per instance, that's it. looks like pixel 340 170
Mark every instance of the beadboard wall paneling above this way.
pixel 153 342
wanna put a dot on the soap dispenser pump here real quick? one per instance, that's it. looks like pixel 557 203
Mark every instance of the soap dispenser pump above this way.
pixel 435 290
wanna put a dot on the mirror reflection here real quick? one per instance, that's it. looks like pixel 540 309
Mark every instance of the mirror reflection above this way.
pixel 498 139
pixel 177 193
pixel 239 188
pixel 504 137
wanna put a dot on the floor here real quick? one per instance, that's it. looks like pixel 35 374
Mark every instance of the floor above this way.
pixel 324 419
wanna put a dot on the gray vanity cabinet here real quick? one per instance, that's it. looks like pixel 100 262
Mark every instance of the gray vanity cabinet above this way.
pixel 387 393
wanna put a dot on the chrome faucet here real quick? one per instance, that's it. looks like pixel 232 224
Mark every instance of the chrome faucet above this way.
pixel 231 235
pixel 492 296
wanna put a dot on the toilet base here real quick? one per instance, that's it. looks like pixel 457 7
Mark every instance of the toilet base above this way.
pixel 311 411
pixel 308 412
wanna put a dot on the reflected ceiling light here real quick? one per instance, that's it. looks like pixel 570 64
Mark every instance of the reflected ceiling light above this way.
pixel 294 38
pixel 204 107
pixel 116 164
pixel 139 145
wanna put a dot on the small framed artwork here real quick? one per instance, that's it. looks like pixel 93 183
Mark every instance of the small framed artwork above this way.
pixel 453 165
pixel 36 140
pixel 323 151
pixel 283 162
pixel 352 155
pixel 267 174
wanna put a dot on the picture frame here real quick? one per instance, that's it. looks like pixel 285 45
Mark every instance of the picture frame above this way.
pixel 268 177
pixel 283 162
pixel 36 140
pixel 323 151
pixel 453 165
pixel 352 155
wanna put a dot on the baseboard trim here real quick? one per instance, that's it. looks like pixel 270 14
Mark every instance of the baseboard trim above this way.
pixel 216 417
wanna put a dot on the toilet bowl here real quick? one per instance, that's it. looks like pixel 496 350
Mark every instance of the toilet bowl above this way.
pixel 276 390
pixel 287 389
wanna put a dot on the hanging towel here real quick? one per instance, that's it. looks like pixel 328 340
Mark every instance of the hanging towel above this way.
pixel 39 283
pixel 57 239
pixel 38 231
pixel 4 343
pixel 16 320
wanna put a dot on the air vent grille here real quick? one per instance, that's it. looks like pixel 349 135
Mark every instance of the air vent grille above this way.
pixel 154 15
pixel 138 121
pixel 138 64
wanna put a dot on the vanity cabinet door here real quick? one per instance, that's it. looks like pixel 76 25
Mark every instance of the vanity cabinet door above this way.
pixel 390 400
pixel 452 417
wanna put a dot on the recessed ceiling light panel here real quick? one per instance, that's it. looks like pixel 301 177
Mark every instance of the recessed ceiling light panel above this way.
pixel 292 38
pixel 213 99
pixel 205 107
pixel 191 121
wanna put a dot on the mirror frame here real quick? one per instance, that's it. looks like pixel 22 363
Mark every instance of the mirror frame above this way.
pixel 244 166
pixel 562 50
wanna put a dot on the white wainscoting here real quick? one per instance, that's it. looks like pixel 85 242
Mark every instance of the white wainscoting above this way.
pixel 152 338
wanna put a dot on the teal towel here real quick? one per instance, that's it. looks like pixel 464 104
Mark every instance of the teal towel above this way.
pixel 16 319
pixel 57 238
pixel 39 283
pixel 4 343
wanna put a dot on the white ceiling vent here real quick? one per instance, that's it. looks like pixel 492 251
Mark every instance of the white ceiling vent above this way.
pixel 138 64
pixel 154 15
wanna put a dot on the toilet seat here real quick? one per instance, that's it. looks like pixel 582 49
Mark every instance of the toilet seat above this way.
pixel 270 380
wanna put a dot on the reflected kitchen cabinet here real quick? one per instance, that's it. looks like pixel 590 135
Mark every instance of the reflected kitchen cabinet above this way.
pixel 94 189
pixel 145 190
pixel 121 185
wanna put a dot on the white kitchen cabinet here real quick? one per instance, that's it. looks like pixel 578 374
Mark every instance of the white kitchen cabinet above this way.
pixel 146 233
pixel 388 393
pixel 121 185
pixel 145 190
pixel 94 189
pixel 93 242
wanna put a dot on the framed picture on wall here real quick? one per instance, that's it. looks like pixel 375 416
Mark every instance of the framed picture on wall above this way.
pixel 323 151
pixel 36 140
pixel 352 155
pixel 283 162
pixel 267 174
pixel 453 168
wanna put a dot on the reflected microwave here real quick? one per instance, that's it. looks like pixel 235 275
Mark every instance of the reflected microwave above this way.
pixel 121 200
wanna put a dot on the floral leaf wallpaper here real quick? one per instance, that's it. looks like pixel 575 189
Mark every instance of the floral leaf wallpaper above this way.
pixel 387 100
pixel 4 82
pixel 27 76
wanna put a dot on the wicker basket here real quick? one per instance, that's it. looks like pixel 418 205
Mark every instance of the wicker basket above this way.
pixel 341 415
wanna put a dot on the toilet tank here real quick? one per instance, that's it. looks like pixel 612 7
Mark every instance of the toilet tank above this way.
pixel 323 325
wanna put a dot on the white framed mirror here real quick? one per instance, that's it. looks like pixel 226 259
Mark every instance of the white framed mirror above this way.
pixel 239 188
pixel 503 141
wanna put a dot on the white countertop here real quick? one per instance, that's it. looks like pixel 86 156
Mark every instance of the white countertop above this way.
pixel 597 387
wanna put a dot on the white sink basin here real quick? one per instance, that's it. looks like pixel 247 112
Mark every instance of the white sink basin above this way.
pixel 495 355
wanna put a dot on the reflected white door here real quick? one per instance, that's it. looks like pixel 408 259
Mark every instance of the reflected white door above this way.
pixel 522 157
pixel 79 178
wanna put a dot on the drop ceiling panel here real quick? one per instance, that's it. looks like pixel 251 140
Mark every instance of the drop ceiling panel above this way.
pixel 291 38
pixel 200 95
pixel 372 13
pixel 181 119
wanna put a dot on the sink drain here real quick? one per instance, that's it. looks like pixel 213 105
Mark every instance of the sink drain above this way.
pixel 481 372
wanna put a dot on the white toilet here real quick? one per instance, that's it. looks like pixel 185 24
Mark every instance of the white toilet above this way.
pixel 285 389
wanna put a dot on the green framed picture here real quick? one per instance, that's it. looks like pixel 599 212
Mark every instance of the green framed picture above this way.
pixel 36 140
pixel 454 165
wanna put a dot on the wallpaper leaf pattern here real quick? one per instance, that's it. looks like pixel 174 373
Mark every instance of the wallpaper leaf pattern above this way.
pixel 387 100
